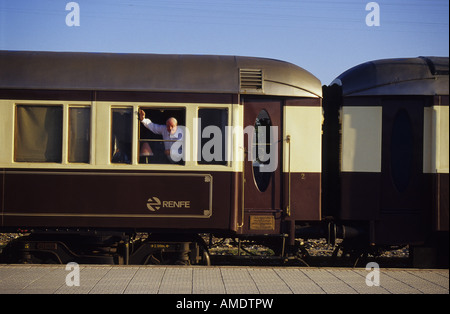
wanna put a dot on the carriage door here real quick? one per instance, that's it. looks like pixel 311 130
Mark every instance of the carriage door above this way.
pixel 262 171
pixel 402 180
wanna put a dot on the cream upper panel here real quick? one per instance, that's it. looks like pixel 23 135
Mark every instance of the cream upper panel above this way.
pixel 6 132
pixel 361 139
pixel 100 139
pixel 436 139
pixel 303 125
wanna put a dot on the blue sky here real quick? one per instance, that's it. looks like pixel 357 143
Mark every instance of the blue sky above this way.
pixel 323 36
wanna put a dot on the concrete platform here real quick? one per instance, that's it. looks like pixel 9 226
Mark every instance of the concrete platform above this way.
pixel 181 280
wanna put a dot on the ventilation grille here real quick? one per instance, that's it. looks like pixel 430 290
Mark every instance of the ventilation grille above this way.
pixel 251 79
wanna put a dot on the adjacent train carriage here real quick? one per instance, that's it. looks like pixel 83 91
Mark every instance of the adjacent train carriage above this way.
pixel 74 156
pixel 394 155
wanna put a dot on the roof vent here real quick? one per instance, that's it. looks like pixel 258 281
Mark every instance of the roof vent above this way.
pixel 251 79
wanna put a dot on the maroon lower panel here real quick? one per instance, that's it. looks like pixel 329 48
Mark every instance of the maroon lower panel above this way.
pixel 361 195
pixel 441 201
pixel 118 199
pixel 305 196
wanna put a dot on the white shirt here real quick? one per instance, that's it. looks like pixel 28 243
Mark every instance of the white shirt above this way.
pixel 178 137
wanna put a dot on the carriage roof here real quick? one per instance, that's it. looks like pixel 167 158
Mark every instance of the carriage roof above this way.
pixel 405 76
pixel 154 73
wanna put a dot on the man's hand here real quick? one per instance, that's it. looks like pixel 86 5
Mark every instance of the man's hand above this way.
pixel 141 114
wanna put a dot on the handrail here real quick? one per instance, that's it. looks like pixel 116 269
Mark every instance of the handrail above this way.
pixel 288 208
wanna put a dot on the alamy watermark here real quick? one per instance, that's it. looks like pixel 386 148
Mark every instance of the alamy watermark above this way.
pixel 373 277
pixel 262 145
pixel 73 277
pixel 373 17
pixel 73 17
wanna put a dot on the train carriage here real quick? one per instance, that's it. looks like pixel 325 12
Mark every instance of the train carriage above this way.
pixel 98 147
pixel 393 171
pixel 75 158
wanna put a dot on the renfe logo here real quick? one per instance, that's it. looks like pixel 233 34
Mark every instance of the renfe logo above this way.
pixel 154 204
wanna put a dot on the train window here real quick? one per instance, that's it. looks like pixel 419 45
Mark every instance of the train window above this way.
pixel 79 134
pixel 121 135
pixel 158 145
pixel 261 150
pixel 38 133
pixel 401 150
pixel 212 124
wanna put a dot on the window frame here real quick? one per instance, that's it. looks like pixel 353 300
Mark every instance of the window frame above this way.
pixel 111 145
pixel 226 138
pixel 69 137
pixel 66 106
pixel 17 125
pixel 183 109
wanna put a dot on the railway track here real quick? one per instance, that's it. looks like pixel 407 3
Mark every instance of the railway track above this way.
pixel 314 253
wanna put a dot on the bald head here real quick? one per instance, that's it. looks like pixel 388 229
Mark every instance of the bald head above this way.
pixel 172 125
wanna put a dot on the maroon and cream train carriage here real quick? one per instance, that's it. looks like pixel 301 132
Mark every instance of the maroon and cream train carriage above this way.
pixel 394 157
pixel 75 159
